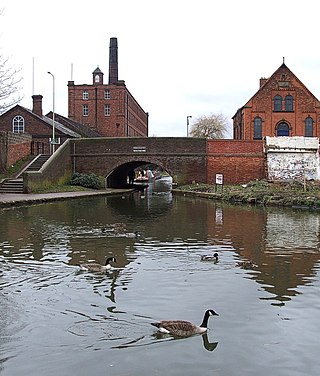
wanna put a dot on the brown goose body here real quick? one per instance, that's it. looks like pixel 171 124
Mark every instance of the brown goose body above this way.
pixel 181 328
pixel 94 267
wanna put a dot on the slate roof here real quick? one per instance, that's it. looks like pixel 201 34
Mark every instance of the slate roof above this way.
pixel 60 127
pixel 79 128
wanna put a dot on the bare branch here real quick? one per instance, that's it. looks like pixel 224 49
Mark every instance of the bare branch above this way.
pixel 9 85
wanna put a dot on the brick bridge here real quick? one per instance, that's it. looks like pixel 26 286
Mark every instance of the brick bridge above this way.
pixel 186 159
pixel 182 158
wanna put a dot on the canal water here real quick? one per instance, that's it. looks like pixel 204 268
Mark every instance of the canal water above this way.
pixel 58 320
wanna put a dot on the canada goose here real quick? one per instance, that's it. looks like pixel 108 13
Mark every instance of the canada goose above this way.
pixel 94 267
pixel 214 258
pixel 181 328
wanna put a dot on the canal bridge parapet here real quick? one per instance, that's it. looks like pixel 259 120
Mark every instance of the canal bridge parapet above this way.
pixel 182 157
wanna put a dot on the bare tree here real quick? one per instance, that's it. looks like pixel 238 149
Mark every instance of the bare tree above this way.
pixel 210 126
pixel 9 85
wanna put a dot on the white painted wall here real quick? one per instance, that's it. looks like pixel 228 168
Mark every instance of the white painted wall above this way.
pixel 292 158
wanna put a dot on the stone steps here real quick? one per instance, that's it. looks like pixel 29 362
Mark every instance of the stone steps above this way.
pixel 16 185
pixel 12 186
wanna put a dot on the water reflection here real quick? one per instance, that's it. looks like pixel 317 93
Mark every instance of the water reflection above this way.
pixel 48 305
pixel 281 245
pixel 158 337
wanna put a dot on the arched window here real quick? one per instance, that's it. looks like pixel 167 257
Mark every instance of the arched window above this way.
pixel 283 129
pixel 277 103
pixel 308 127
pixel 18 124
pixel 288 103
pixel 257 128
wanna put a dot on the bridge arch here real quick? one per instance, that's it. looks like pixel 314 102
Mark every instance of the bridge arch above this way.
pixel 118 176
pixel 183 158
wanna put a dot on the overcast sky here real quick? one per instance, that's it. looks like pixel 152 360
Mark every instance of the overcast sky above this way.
pixel 178 58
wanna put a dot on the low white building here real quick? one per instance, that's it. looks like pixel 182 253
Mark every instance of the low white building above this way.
pixel 292 158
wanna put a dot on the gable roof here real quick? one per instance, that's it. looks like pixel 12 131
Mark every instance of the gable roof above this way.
pixel 272 78
pixel 47 121
pixel 60 127
pixel 79 128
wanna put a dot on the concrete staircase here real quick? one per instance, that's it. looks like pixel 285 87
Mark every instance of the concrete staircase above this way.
pixel 15 185
pixel 35 164
pixel 12 186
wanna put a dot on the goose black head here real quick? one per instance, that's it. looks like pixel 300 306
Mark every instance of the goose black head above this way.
pixel 111 259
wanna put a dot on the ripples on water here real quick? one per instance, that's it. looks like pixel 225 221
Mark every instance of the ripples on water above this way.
pixel 57 320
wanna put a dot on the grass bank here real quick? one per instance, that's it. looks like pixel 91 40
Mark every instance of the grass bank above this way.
pixel 289 194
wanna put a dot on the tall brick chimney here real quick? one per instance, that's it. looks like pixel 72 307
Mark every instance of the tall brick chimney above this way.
pixel 113 61
pixel 37 104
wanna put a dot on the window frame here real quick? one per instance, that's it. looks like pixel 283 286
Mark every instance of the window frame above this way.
pixel 277 103
pixel 85 95
pixel 18 124
pixel 85 110
pixel 288 103
pixel 257 128
pixel 308 126
pixel 107 109
pixel 282 130
pixel 107 95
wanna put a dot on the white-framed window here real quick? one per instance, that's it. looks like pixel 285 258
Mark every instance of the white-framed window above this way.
pixel 18 124
pixel 97 78
pixel 85 110
pixel 107 94
pixel 85 95
pixel 107 110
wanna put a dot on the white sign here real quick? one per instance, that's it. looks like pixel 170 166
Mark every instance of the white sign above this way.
pixel 219 179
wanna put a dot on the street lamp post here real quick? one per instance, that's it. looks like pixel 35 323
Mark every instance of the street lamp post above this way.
pixel 188 117
pixel 53 126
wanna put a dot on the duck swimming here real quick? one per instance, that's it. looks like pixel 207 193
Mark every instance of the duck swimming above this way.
pixel 214 258
pixel 182 328
pixel 94 267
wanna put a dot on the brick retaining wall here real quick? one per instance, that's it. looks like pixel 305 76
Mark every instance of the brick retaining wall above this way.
pixel 13 147
pixel 238 161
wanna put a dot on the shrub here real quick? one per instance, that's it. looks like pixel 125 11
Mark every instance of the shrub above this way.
pixel 88 181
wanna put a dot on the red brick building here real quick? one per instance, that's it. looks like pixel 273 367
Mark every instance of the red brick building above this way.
pixel 283 106
pixel 109 109
pixel 20 120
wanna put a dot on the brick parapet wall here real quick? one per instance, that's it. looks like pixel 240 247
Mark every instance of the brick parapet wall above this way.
pixel 239 161
pixel 13 147
pixel 57 170
pixel 184 158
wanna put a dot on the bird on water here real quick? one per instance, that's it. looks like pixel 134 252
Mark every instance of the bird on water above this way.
pixel 182 328
pixel 214 258
pixel 94 267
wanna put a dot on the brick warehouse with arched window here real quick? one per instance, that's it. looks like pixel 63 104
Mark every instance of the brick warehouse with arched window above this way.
pixel 283 106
